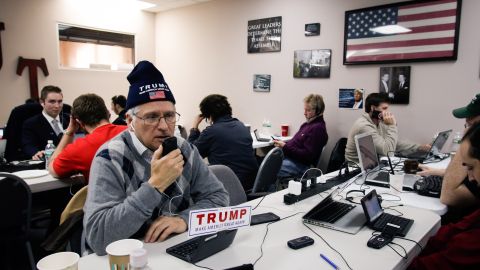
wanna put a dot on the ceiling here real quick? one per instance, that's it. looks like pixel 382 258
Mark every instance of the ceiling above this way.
pixel 163 5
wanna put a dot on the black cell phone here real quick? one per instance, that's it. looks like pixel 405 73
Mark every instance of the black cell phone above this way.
pixel 169 145
pixel 300 242
pixel 377 115
pixel 263 218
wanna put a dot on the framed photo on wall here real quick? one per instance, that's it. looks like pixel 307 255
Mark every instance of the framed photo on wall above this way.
pixel 412 31
pixel 261 82
pixel 312 63
pixel 395 81
pixel 350 98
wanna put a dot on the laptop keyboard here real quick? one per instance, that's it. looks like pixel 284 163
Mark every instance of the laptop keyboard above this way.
pixel 333 211
pixel 185 249
pixel 387 218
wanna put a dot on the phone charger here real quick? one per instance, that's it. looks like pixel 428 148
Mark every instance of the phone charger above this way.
pixel 294 187
pixel 322 179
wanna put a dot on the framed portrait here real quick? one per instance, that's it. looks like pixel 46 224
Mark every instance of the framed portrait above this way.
pixel 312 63
pixel 395 81
pixel 410 31
pixel 261 82
pixel 351 98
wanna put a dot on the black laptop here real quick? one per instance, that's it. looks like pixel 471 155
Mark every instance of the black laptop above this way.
pixel 377 218
pixel 201 247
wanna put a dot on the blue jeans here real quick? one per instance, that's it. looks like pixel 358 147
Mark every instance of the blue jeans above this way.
pixel 292 168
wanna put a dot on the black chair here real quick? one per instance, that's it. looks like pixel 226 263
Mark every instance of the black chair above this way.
pixel 337 157
pixel 15 206
pixel 13 130
pixel 230 182
pixel 266 179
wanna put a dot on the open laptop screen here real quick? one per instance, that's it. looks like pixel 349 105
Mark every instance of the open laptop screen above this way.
pixel 366 152
pixel 371 206
pixel 440 141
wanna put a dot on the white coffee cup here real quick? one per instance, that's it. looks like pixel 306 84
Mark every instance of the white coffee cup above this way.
pixel 59 261
pixel 396 183
pixel 119 252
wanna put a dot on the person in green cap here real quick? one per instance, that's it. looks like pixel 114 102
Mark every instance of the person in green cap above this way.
pixel 457 192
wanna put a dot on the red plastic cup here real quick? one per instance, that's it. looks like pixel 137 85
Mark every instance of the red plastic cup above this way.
pixel 284 130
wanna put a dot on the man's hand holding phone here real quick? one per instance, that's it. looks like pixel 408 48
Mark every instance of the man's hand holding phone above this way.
pixel 388 118
pixel 165 168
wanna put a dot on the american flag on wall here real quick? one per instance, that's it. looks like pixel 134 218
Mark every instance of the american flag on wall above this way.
pixel 433 32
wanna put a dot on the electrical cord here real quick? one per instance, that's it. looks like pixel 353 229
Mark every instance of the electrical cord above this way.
pixel 266 233
pixel 329 245
pixel 259 202
pixel 403 256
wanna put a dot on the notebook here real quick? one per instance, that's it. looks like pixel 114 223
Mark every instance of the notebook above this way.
pixel 340 216
pixel 437 146
pixel 201 247
pixel 377 218
pixel 370 164
pixel 260 139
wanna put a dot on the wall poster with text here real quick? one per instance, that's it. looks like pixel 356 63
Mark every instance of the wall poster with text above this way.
pixel 265 35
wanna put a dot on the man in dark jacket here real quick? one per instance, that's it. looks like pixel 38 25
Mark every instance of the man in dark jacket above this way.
pixel 48 125
pixel 227 141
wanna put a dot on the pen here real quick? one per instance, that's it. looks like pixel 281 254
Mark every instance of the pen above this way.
pixel 328 261
pixel 273 138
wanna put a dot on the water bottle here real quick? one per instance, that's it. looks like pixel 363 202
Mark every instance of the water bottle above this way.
pixel 139 259
pixel 456 142
pixel 49 149
pixel 266 126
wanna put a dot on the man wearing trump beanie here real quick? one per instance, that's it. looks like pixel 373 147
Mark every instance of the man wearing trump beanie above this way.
pixel 135 191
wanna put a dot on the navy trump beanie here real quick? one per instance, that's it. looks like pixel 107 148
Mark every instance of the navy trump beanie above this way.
pixel 147 84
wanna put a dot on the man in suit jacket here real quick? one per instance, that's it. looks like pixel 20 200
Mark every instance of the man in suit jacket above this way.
pixel 48 125
pixel 402 93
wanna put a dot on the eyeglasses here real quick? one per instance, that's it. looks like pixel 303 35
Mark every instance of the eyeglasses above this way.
pixel 151 120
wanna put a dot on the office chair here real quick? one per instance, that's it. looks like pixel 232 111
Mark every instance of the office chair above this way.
pixel 13 130
pixel 230 182
pixel 266 179
pixel 69 235
pixel 337 157
pixel 15 206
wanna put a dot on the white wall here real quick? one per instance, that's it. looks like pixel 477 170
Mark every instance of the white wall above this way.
pixel 202 49
pixel 31 32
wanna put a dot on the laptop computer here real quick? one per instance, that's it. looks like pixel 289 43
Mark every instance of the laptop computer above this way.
pixel 201 247
pixel 260 139
pixel 437 146
pixel 377 218
pixel 370 164
pixel 335 215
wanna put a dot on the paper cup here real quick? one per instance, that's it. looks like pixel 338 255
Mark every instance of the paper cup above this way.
pixel 284 130
pixel 396 183
pixel 119 253
pixel 59 261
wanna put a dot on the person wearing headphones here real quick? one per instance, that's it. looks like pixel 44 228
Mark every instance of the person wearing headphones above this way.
pixel 304 149
pixel 380 122
pixel 226 141
pixel 138 190
pixel 456 245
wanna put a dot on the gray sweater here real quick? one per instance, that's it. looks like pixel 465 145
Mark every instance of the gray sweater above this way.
pixel 385 138
pixel 121 204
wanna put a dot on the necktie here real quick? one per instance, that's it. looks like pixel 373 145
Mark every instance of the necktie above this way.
pixel 55 126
